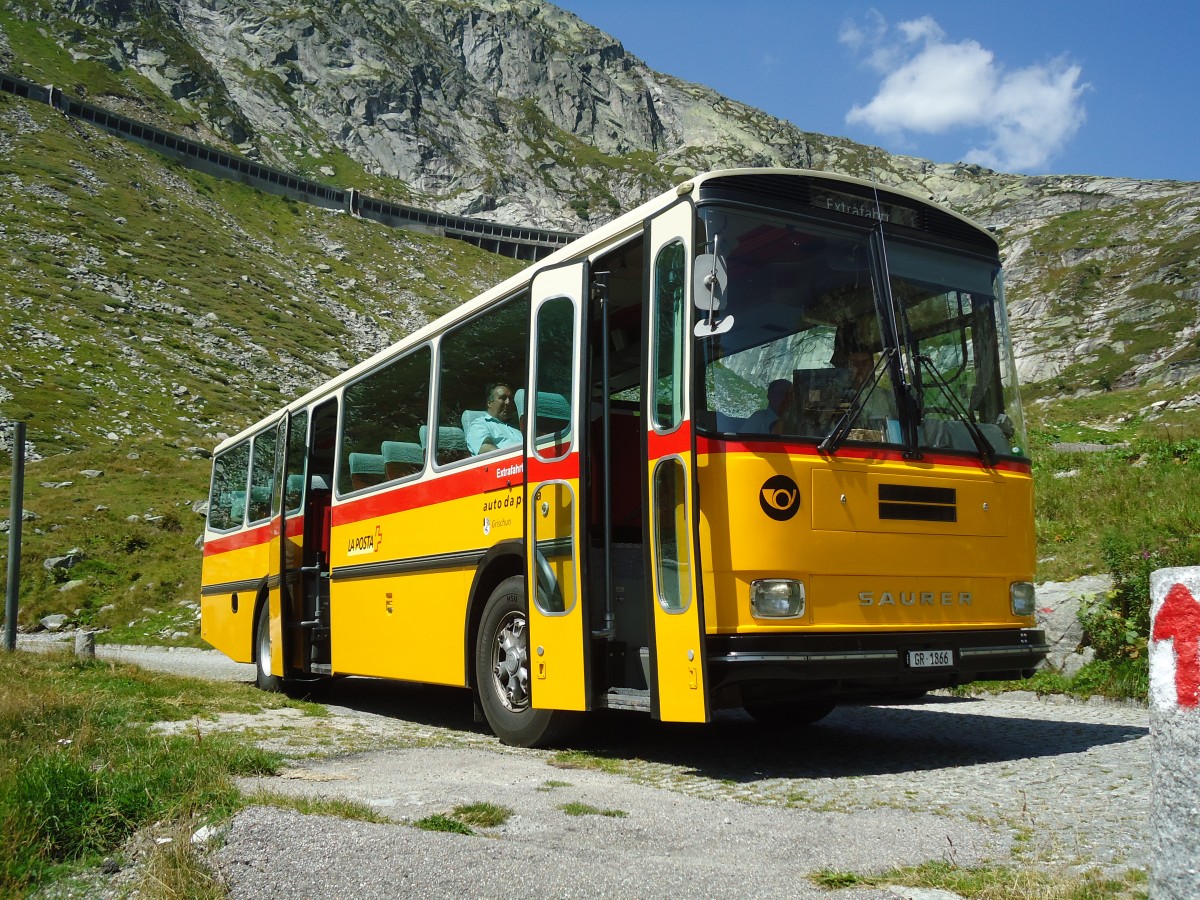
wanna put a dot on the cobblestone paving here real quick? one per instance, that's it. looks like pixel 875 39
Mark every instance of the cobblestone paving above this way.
pixel 1070 781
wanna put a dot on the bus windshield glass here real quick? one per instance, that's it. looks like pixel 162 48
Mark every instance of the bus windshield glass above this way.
pixel 817 347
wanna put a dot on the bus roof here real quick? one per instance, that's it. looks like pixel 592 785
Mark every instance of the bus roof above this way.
pixel 627 224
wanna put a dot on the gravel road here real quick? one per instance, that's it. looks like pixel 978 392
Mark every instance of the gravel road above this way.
pixel 728 809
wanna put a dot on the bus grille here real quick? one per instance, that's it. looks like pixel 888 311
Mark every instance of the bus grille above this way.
pixel 920 504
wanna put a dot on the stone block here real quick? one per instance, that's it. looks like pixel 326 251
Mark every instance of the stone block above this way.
pixel 1175 732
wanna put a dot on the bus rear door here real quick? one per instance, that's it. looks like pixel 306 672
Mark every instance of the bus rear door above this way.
pixel 678 690
pixel 553 418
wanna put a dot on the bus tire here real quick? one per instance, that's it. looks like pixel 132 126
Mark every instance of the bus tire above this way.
pixel 502 672
pixel 262 651
pixel 788 713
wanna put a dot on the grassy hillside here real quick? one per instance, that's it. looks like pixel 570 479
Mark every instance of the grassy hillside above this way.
pixel 152 310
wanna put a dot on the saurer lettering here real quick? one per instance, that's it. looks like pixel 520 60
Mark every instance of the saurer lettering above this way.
pixel 913 598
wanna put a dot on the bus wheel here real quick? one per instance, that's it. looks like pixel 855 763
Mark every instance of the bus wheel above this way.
pixel 788 713
pixel 262 651
pixel 502 672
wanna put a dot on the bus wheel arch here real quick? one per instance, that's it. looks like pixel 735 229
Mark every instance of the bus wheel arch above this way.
pixel 502 672
pixel 501 562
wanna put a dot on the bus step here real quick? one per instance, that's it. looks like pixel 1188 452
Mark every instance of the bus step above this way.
pixel 624 698
pixel 321 669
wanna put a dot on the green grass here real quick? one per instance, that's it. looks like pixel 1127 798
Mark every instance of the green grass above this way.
pixel 577 808
pixel 996 882
pixel 81 770
pixel 441 822
pixel 482 815
pixel 317 806
pixel 1146 490
pixel 581 759
pixel 466 818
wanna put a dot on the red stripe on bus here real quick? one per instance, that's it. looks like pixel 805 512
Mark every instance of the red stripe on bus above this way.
pixel 560 470
pixel 434 490
pixel 760 448
pixel 678 441
pixel 251 537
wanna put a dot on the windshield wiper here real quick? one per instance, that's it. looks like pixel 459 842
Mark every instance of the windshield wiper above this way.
pixel 986 450
pixel 841 429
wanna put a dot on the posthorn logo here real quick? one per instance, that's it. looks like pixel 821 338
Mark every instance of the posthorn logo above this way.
pixel 779 498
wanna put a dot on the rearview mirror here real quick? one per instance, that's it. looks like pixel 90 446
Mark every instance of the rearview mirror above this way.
pixel 709 284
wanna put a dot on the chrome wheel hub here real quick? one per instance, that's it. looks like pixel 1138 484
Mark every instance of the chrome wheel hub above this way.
pixel 510 662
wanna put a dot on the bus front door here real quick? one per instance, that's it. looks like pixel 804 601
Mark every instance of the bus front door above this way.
pixel 553 416
pixel 277 591
pixel 678 691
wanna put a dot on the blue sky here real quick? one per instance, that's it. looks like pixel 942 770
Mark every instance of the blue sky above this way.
pixel 1047 87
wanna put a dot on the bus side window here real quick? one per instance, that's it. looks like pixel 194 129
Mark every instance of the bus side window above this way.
pixel 227 500
pixel 384 414
pixel 262 475
pixel 484 352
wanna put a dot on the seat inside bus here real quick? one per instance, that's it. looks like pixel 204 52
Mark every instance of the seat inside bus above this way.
pixel 366 469
pixel 402 458
pixel 451 443
pixel 554 413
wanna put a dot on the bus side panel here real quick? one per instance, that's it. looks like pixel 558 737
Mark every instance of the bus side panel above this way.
pixel 230 631
pixel 405 626
pixel 410 622
pixel 862 570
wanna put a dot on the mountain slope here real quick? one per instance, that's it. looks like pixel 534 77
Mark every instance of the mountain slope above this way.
pixel 517 111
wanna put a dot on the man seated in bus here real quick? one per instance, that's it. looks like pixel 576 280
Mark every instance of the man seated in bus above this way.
pixel 496 429
pixel 767 421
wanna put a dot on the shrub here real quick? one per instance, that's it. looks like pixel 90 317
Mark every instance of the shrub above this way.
pixel 1117 625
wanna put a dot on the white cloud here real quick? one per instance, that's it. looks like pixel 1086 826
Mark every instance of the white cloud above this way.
pixel 933 86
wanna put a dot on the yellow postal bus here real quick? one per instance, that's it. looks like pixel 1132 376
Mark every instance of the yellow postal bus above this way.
pixel 756 444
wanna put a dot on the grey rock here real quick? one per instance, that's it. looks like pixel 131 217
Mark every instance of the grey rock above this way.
pixel 71 559
pixel 54 485
pixel 1058 614
pixel 92 473
pixel 71 585
pixel 53 622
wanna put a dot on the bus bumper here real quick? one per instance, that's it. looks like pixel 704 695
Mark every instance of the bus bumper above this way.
pixel 864 667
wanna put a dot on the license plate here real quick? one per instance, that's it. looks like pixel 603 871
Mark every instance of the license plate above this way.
pixel 930 659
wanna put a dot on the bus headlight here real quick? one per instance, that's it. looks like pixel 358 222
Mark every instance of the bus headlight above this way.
pixel 777 598
pixel 1021 593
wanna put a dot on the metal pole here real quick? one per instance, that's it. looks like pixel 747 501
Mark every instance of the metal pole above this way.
pixel 15 515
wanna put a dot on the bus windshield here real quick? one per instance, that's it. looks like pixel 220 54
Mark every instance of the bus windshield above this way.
pixel 818 348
